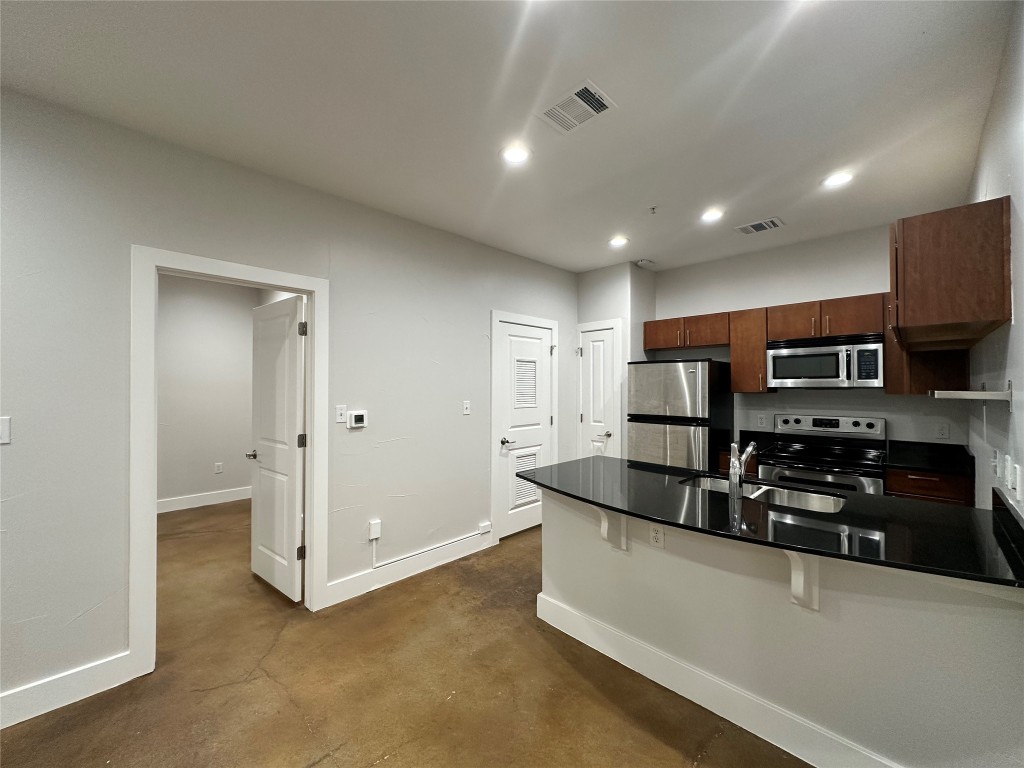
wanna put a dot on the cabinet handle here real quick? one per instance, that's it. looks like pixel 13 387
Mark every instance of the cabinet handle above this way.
pixel 679 343
pixel 760 378
pixel 828 325
pixel 890 317
pixel 687 337
pixel 923 477
pixel 813 319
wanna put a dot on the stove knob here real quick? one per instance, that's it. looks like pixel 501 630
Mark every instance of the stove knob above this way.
pixel 796 421
pixel 856 423
pixel 870 425
pixel 785 421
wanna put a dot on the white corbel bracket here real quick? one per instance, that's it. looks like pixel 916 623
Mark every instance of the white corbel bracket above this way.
pixel 803 579
pixel 614 529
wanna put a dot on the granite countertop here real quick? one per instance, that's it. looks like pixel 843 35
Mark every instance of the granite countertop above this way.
pixel 961 542
pixel 934 457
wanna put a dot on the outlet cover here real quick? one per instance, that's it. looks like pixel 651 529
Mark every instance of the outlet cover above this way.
pixel 762 420
pixel 1008 476
pixel 942 431
pixel 218 467
pixel 657 536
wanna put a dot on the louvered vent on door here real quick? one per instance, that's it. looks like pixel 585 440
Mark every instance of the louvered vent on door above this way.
pixel 523 491
pixel 526 383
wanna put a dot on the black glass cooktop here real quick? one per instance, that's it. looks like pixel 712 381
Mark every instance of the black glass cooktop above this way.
pixel 965 543
pixel 827 455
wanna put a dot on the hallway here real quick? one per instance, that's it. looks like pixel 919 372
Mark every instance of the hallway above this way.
pixel 448 668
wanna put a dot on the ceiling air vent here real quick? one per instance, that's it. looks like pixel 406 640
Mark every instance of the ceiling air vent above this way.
pixel 576 108
pixel 761 226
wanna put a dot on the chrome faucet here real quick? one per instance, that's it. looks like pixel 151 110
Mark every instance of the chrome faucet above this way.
pixel 737 468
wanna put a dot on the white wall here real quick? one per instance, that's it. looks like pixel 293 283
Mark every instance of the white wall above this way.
pixel 409 332
pixel 204 387
pixel 1000 171
pixel 850 264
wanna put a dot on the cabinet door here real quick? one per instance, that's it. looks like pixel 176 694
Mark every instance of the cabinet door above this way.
pixel 794 321
pixel 663 334
pixel 953 274
pixel 707 330
pixel 852 314
pixel 747 340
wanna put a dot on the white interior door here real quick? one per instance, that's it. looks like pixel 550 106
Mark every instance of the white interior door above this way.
pixel 278 418
pixel 600 424
pixel 522 419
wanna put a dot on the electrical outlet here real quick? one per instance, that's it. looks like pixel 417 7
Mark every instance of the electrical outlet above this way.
pixel 340 414
pixel 657 536
pixel 942 430
pixel 997 464
pixel 762 420
pixel 218 467
pixel 1008 476
pixel 465 407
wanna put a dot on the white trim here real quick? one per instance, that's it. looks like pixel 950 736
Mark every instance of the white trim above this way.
pixel 497 317
pixel 618 372
pixel 140 656
pixel 374 578
pixel 795 734
pixel 193 500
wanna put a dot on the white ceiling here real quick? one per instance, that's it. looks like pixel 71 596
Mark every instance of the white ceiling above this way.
pixel 405 106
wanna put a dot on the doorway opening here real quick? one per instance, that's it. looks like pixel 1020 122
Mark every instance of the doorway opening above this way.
pixel 309 305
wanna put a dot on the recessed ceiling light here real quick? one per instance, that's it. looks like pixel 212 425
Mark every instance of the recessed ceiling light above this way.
pixel 516 153
pixel 837 179
pixel 618 241
pixel 711 214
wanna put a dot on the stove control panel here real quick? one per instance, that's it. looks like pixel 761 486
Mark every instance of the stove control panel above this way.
pixel 808 424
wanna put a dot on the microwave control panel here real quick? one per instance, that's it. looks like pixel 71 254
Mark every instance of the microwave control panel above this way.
pixel 857 426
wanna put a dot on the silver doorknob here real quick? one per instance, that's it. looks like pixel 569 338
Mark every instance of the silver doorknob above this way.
pixel 606 434
pixel 251 455
pixel 506 441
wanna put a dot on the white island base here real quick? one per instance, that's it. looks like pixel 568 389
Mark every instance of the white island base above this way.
pixel 895 668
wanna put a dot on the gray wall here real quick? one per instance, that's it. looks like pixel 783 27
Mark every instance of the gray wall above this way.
pixel 999 357
pixel 410 325
pixel 204 385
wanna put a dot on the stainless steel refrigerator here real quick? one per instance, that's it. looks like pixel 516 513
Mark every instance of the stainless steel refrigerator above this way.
pixel 680 413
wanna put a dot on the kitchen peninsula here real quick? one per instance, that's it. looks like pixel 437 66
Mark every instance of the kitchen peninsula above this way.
pixel 887 632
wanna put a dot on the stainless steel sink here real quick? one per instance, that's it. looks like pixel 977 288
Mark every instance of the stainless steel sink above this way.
pixel 769 494
pixel 789 497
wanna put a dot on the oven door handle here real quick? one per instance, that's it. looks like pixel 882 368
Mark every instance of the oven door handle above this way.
pixel 817 470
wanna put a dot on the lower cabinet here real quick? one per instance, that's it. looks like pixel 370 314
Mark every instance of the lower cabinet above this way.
pixel 930 486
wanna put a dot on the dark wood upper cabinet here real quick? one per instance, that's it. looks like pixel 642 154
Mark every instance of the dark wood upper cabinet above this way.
pixel 919 372
pixel 794 321
pixel 748 332
pixel 663 334
pixel 706 330
pixel 852 315
pixel 951 275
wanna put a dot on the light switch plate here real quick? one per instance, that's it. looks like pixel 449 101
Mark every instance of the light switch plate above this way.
pixel 465 408
pixel 942 430
pixel 341 414
pixel 5 430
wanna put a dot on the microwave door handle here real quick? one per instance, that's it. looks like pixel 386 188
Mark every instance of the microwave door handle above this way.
pixel 849 364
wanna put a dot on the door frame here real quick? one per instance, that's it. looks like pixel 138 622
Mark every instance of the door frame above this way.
pixel 618 373
pixel 147 264
pixel 498 317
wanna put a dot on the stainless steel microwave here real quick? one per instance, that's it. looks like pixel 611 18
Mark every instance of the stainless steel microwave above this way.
pixel 840 361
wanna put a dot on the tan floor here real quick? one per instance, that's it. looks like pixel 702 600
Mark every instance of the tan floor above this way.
pixel 449 668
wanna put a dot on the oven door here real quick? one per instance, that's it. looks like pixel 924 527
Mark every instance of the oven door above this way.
pixel 832 481
pixel 810 367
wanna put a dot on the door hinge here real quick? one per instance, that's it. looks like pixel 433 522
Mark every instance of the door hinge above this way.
pixel 579 351
pixel 552 421
pixel 302 441
pixel 581 418
pixel 303 328
pixel 551 351
pixel 300 553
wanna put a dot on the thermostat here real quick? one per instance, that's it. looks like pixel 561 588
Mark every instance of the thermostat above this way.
pixel 356 419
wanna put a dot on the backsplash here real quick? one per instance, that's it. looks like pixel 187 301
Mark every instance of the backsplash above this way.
pixel 907 417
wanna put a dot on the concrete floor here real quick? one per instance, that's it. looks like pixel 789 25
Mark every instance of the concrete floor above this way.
pixel 449 668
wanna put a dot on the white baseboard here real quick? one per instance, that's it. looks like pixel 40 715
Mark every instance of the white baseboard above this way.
pixel 41 696
pixel 375 578
pixel 174 503
pixel 797 735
